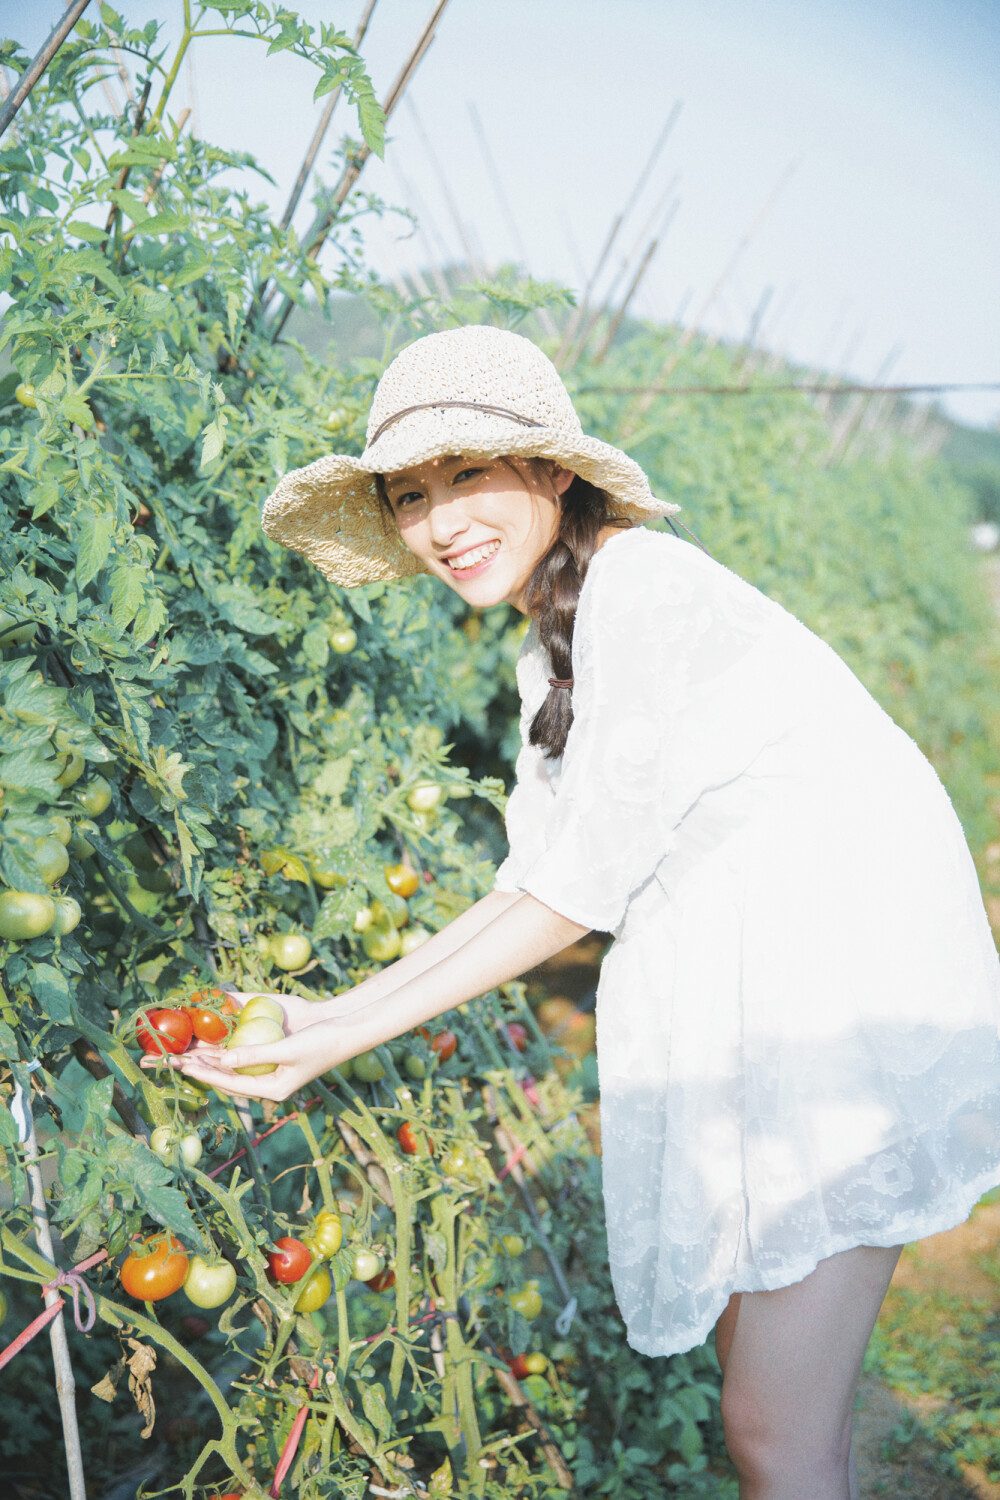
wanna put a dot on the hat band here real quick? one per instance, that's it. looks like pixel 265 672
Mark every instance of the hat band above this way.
pixel 496 411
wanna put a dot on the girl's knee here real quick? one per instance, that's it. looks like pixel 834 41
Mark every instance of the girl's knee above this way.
pixel 767 1441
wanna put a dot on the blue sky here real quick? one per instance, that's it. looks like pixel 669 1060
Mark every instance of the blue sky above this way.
pixel 884 237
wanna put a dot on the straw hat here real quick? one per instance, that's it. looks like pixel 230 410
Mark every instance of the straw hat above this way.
pixel 476 392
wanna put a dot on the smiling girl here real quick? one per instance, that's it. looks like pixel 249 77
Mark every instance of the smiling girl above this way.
pixel 799 1018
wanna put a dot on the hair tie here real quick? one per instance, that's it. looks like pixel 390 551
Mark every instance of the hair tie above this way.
pixel 561 682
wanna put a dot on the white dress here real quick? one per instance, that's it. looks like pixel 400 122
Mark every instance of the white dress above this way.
pixel 798 1024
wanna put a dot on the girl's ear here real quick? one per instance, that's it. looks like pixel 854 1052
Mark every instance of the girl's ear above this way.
pixel 561 479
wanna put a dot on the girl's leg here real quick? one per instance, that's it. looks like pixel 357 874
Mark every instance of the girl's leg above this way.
pixel 791 1361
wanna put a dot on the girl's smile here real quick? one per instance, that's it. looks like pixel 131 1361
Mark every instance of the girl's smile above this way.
pixel 482 528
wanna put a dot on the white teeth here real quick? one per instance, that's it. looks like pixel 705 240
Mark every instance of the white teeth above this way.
pixel 474 556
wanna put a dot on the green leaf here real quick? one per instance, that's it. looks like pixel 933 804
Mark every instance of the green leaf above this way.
pixel 8 1043
pixel 373 1401
pixel 49 987
pixel 19 869
pixel 77 409
pixel 127 593
pixel 26 771
pixel 93 544
pixel 332 780
pixel 129 205
pixel 339 907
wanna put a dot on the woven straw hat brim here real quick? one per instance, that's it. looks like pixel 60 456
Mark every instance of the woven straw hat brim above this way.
pixel 330 513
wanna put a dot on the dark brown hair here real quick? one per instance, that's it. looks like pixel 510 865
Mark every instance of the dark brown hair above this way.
pixel 552 594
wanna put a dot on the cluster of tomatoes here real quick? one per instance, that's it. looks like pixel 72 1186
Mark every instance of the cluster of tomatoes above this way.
pixel 160 1266
pixel 212 1016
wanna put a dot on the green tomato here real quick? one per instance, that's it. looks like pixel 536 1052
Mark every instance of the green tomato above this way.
pixel 79 845
pixel 328 1234
pixel 25 394
pixel 68 914
pixel 423 822
pixel 290 950
pixel 257 1032
pixel 527 1301
pixel 368 1067
pixel 414 1065
pixel 411 939
pixel 208 1285
pixel 399 912
pixel 165 1137
pixel 62 828
pixel 262 1005
pixel 363 919
pixel 94 797
pixel 13 632
pixel 513 1244
pixel 72 770
pixel 424 797
pixel 366 1265
pixel 52 859
pixel 25 915
pixel 343 641
pixel 381 943
pixel 315 1291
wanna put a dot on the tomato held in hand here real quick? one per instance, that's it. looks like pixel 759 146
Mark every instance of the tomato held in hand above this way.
pixel 289 1260
pixel 164 1031
pixel 328 1234
pixel 208 1025
pixel 156 1270
pixel 207 1284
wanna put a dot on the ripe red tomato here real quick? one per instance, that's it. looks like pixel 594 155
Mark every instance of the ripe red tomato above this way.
pixel 444 1044
pixel 412 1144
pixel 156 1269
pixel 289 1260
pixel 517 1035
pixel 518 1365
pixel 383 1281
pixel 164 1031
pixel 207 1025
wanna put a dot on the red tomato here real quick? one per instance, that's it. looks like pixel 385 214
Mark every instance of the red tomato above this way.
pixel 444 1044
pixel 518 1365
pixel 156 1270
pixel 410 1143
pixel 517 1035
pixel 383 1281
pixel 164 1031
pixel 207 1025
pixel 290 1260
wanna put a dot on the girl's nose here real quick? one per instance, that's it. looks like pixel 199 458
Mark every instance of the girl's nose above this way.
pixel 446 521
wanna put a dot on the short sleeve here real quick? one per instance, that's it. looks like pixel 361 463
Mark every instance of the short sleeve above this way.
pixel 665 706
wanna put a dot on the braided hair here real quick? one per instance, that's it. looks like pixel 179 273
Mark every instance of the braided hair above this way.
pixel 552 595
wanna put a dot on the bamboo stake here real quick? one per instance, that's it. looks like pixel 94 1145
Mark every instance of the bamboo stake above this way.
pixel 430 232
pixel 43 57
pixel 854 412
pixel 316 237
pixel 584 307
pixel 602 309
pixel 65 1383
pixel 670 363
pixel 442 181
pixel 321 128
pixel 616 321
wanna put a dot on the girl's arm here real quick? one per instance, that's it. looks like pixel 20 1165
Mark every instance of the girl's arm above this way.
pixel 522 933
pixel 300 1012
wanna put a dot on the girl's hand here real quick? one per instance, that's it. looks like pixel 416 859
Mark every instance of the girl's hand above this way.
pixel 298 1012
pixel 300 1057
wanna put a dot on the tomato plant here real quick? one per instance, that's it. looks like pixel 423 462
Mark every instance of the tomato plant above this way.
pixel 156 1270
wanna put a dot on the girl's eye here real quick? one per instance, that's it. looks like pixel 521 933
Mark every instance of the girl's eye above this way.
pixel 464 475
pixel 408 499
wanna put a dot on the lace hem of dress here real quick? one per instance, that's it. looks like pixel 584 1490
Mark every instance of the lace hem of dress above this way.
pixel 902 1231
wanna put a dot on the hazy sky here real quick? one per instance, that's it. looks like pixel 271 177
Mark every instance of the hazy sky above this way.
pixel 886 234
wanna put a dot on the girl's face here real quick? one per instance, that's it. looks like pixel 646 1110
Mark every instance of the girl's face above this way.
pixel 482 527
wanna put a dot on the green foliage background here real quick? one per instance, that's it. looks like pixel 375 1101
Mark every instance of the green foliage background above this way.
pixel 189 663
